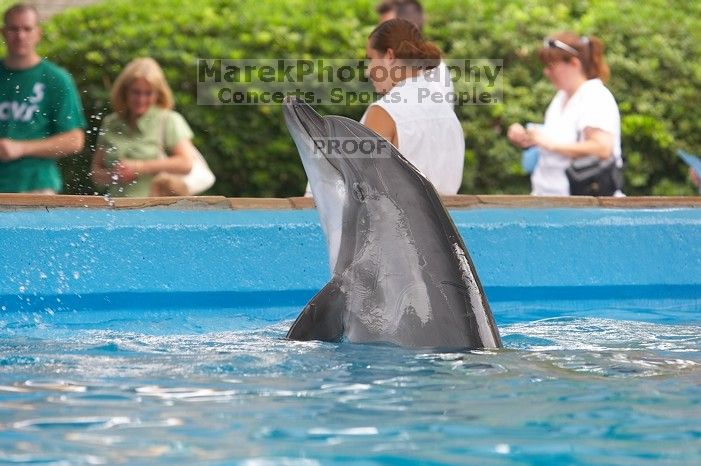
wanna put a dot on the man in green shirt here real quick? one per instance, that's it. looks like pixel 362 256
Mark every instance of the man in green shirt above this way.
pixel 41 117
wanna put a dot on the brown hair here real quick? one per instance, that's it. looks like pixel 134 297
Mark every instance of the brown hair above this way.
pixel 590 52
pixel 20 8
pixel 140 68
pixel 405 39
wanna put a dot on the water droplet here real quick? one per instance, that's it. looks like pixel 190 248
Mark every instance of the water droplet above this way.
pixel 502 448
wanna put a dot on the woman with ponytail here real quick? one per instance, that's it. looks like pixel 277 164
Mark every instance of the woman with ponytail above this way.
pixel 582 119
pixel 413 113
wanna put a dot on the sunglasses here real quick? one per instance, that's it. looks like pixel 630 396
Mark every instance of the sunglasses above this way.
pixel 138 93
pixel 558 44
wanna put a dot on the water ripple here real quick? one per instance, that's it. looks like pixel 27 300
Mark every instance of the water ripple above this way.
pixel 250 397
pixel 87 423
pixel 183 393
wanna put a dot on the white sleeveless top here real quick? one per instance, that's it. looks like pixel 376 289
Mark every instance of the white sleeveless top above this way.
pixel 429 134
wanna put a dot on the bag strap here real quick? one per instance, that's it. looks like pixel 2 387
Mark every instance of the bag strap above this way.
pixel 162 136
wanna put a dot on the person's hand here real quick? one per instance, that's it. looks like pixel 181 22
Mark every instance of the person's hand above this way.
pixel 136 166
pixel 124 172
pixel 10 149
pixel 536 137
pixel 128 170
pixel 518 135
pixel 694 177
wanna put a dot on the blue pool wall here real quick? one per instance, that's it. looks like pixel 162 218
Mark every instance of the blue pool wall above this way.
pixel 80 259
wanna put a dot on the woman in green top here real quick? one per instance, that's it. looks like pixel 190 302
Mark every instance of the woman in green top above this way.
pixel 144 136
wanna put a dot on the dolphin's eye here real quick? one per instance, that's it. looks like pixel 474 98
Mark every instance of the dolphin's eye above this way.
pixel 358 192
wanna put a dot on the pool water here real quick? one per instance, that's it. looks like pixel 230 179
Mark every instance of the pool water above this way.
pixel 614 383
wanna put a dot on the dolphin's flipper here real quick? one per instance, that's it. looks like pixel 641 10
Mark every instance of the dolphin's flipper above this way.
pixel 322 318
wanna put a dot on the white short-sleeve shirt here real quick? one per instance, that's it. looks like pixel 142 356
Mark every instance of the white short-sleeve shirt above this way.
pixel 591 106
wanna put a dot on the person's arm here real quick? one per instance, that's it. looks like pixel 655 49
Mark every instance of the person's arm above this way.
pixel 378 120
pixel 52 147
pixel 596 142
pixel 178 162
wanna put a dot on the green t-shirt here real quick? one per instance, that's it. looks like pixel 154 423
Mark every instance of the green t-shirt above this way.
pixel 35 103
pixel 157 132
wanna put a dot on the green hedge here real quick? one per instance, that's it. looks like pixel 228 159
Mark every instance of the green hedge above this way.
pixel 653 49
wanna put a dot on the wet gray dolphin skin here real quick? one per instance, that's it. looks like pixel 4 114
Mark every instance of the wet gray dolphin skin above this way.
pixel 400 271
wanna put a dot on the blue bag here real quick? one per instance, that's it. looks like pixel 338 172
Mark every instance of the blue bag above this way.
pixel 529 159
pixel 692 161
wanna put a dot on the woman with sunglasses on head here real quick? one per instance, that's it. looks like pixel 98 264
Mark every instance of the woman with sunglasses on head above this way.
pixel 144 147
pixel 582 119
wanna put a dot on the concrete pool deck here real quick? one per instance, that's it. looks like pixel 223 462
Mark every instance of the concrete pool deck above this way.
pixel 22 201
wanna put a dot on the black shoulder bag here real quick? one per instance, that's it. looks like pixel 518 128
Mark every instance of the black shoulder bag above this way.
pixel 591 176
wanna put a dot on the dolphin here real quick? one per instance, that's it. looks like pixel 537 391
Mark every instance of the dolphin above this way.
pixel 401 273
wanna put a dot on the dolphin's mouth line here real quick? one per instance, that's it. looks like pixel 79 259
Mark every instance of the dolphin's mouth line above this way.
pixel 306 125
pixel 355 173
pixel 315 128
pixel 312 123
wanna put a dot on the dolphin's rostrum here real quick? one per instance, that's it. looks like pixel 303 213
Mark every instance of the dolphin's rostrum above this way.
pixel 400 271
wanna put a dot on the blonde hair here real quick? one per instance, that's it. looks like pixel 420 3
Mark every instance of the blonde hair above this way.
pixel 140 68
